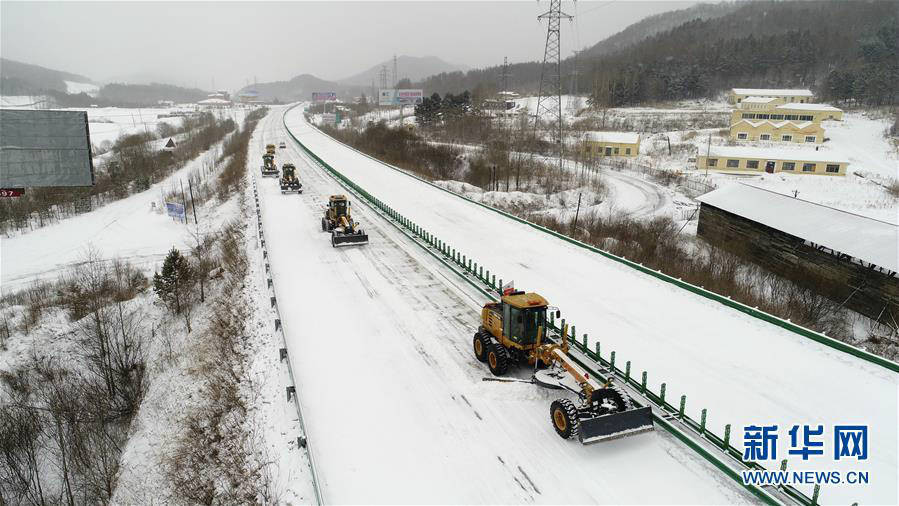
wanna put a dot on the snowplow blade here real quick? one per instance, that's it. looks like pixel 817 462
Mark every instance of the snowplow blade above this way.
pixel 594 429
pixel 338 239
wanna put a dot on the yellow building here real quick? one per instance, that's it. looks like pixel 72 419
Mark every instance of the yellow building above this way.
pixel 749 160
pixel 611 144
pixel 779 131
pixel 816 113
pixel 737 95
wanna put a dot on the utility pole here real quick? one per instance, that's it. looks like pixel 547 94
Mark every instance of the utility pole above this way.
pixel 550 100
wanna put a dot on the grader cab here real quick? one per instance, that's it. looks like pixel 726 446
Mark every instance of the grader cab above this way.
pixel 512 332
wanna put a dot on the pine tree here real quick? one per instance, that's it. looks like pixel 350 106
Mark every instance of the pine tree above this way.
pixel 173 285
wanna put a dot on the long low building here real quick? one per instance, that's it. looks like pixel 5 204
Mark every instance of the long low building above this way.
pixel 848 258
pixel 778 131
pixel 753 160
pixel 790 112
pixel 802 96
pixel 598 144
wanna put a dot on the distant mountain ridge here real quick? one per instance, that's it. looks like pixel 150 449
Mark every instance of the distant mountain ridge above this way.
pixel 300 87
pixel 701 51
pixel 413 68
pixel 20 78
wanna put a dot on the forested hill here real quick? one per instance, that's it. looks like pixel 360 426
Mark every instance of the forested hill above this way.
pixel 841 49
pixel 781 44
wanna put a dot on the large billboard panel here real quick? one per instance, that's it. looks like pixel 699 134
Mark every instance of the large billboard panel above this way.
pixel 386 97
pixel 400 97
pixel 44 148
pixel 324 96
pixel 407 97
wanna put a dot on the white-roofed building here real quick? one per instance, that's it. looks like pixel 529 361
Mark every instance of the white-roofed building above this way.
pixel 596 144
pixel 849 258
pixel 757 160
pixel 815 113
pixel 802 96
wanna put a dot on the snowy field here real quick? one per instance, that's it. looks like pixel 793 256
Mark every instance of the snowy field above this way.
pixel 740 368
pixel 106 124
pixel 119 229
pixel 396 408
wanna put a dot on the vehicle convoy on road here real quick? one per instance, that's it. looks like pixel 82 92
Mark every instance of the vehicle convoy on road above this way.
pixel 339 221
pixel 289 181
pixel 269 169
pixel 512 332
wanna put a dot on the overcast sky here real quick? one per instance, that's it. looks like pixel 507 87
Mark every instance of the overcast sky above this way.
pixel 193 43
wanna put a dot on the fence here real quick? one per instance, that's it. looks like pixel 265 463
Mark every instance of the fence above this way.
pixel 716 449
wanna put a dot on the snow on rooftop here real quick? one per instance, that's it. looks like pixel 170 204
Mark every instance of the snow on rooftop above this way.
pixel 778 92
pixel 213 101
pixel 616 137
pixel 866 239
pixel 758 100
pixel 809 107
pixel 778 153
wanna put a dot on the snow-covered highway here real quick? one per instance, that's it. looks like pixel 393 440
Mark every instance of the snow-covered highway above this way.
pixel 395 405
pixel 744 370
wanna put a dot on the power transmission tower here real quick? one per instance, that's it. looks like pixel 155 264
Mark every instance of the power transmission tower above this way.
pixel 549 103
pixel 506 74
pixel 573 99
pixel 383 76
pixel 395 77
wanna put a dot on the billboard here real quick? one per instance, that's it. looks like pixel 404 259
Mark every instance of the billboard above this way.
pixel 400 97
pixel 386 97
pixel 44 148
pixel 407 97
pixel 324 96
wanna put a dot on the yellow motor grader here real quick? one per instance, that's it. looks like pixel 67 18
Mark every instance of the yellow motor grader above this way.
pixel 289 181
pixel 339 221
pixel 270 149
pixel 269 168
pixel 512 333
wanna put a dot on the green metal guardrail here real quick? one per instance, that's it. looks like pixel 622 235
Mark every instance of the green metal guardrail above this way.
pixel 487 284
pixel 727 301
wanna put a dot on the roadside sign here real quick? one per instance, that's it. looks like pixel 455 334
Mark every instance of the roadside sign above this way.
pixel 175 210
pixel 324 96
pixel 12 192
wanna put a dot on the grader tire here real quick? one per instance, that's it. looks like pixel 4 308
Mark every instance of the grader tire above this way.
pixel 480 346
pixel 563 414
pixel 324 225
pixel 497 359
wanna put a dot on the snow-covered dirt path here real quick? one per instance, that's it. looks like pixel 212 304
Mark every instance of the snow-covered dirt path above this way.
pixel 395 405
pixel 744 370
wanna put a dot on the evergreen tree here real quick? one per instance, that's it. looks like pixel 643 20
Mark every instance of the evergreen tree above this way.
pixel 173 285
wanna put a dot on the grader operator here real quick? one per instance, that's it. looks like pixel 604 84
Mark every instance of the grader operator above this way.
pixel 339 221
pixel 512 332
